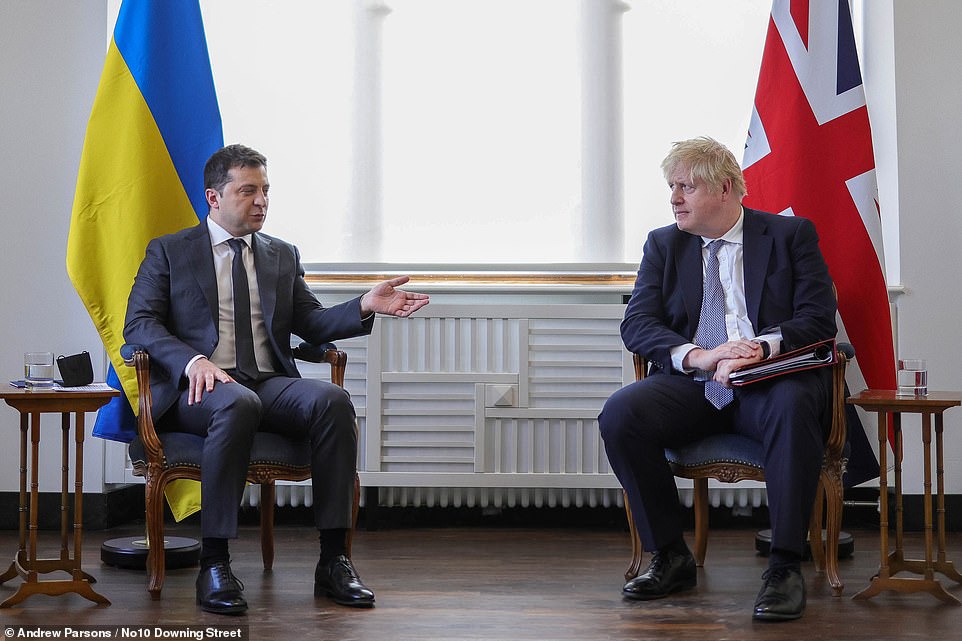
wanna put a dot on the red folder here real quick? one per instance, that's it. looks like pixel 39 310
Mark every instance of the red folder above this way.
pixel 811 356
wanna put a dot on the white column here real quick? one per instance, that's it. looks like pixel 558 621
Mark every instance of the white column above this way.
pixel 602 176
pixel 366 200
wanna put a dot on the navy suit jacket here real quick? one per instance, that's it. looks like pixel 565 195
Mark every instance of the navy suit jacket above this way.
pixel 172 309
pixel 787 285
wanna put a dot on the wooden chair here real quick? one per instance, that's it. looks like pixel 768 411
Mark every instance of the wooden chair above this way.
pixel 163 457
pixel 731 457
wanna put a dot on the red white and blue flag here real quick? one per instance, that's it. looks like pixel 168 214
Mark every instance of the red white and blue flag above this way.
pixel 809 153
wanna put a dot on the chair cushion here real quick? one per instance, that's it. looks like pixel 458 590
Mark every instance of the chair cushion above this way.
pixel 181 448
pixel 719 448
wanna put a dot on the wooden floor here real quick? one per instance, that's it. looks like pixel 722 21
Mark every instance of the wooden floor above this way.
pixel 498 584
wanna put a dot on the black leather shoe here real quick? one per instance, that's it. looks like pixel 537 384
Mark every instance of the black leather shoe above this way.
pixel 339 580
pixel 219 591
pixel 668 572
pixel 782 597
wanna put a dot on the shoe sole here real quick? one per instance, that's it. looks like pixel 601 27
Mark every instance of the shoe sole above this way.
pixel 679 587
pixel 347 602
pixel 773 617
pixel 231 611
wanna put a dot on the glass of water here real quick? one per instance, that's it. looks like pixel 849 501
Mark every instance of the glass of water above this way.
pixel 38 370
pixel 913 378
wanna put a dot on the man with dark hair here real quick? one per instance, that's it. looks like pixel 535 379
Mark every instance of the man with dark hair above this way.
pixel 723 287
pixel 215 305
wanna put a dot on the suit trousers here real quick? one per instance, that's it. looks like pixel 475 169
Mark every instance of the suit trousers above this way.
pixel 789 415
pixel 230 415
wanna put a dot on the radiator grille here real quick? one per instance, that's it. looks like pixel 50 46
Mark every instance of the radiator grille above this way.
pixel 300 494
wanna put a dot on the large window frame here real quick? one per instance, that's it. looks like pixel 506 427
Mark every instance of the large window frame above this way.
pixel 312 85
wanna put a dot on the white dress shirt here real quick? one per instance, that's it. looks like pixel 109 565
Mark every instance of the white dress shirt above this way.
pixel 224 355
pixel 731 271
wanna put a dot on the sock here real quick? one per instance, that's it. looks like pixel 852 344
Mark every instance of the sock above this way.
pixel 678 546
pixel 213 550
pixel 784 559
pixel 333 543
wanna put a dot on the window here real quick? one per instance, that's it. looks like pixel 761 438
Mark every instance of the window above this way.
pixel 477 131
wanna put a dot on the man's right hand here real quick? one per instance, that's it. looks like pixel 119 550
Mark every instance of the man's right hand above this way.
pixel 707 359
pixel 201 377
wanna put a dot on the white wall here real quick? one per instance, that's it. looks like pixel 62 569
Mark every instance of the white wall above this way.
pixel 929 131
pixel 51 55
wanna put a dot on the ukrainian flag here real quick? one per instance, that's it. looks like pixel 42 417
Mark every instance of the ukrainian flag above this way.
pixel 154 123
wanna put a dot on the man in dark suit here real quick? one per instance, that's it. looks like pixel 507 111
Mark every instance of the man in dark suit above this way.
pixel 215 306
pixel 723 287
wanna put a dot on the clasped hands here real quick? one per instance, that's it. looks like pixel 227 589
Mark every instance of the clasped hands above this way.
pixel 725 359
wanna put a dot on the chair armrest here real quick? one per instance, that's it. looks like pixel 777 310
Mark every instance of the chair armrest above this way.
pixel 136 356
pixel 847 349
pixel 324 353
pixel 127 351
pixel 838 435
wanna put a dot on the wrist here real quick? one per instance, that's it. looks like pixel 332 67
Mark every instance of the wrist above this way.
pixel 766 349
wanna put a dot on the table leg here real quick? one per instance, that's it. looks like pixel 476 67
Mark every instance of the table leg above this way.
pixel 894 562
pixel 942 564
pixel 928 571
pixel 64 485
pixel 34 491
pixel 899 553
pixel 27 565
pixel 876 584
pixel 12 571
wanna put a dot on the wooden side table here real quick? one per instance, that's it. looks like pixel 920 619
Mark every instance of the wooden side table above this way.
pixel 31 404
pixel 892 562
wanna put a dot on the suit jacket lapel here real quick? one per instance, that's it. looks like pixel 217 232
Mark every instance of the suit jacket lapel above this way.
pixel 755 255
pixel 266 264
pixel 202 266
pixel 689 266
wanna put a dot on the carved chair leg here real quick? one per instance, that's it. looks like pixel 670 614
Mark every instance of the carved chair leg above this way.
pixel 154 514
pixel 701 520
pixel 267 524
pixel 355 508
pixel 815 543
pixel 832 480
pixel 636 547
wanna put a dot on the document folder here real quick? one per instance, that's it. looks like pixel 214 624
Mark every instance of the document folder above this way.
pixel 811 356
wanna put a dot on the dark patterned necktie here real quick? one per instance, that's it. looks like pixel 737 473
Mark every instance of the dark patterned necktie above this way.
pixel 711 323
pixel 243 333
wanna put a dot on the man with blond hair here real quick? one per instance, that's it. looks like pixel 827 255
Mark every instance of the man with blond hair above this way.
pixel 722 287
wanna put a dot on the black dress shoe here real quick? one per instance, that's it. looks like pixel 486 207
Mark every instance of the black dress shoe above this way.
pixel 668 572
pixel 219 591
pixel 339 580
pixel 782 597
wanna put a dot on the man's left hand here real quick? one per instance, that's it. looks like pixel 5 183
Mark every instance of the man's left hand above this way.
pixel 728 365
pixel 384 298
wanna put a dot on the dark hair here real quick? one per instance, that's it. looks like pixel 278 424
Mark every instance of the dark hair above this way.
pixel 217 169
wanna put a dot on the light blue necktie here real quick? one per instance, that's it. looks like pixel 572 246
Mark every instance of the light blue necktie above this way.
pixel 711 323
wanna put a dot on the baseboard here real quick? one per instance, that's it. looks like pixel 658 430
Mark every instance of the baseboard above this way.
pixel 100 511
pixel 126 504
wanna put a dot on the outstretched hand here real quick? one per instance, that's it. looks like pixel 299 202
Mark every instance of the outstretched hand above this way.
pixel 385 298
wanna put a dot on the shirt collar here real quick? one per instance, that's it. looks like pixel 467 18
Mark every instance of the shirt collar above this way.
pixel 220 235
pixel 733 235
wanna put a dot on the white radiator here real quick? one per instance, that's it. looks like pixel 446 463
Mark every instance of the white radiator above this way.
pixel 490 406
pixel 300 494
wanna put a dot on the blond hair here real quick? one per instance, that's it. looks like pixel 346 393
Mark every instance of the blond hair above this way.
pixel 707 160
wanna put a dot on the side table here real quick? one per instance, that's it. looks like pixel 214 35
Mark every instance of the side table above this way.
pixel 892 562
pixel 31 404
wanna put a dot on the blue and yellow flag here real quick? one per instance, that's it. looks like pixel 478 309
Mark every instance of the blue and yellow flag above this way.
pixel 154 123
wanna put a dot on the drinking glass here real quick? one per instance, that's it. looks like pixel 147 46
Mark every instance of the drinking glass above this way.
pixel 913 378
pixel 38 370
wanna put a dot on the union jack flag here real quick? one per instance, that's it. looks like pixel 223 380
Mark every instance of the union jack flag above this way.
pixel 809 153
